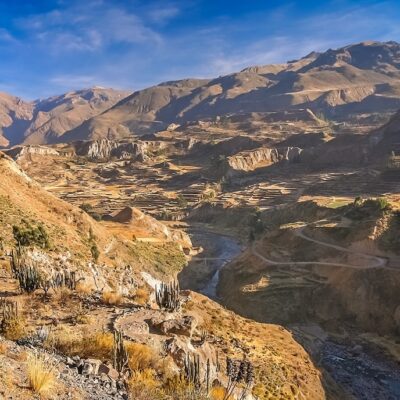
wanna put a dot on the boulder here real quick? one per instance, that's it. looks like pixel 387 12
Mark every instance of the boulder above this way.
pixel 184 326
pixel 108 370
pixel 91 366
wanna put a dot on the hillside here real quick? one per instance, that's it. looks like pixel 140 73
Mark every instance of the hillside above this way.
pixel 356 79
pixel 62 231
pixel 45 120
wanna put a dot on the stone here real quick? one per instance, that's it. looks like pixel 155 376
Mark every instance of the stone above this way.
pixel 184 326
pixel 91 366
pixel 111 372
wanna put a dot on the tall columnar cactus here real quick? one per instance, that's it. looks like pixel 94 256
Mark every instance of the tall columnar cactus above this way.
pixel 167 296
pixel 192 370
pixel 120 355
pixel 28 276
pixel 238 371
pixel 9 309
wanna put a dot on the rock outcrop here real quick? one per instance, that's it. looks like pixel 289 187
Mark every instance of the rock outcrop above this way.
pixel 105 149
pixel 250 160
pixel 23 151
pixel 184 326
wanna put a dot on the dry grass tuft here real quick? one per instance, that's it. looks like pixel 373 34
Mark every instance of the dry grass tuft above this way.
pixel 112 298
pixel 98 345
pixel 84 289
pixel 41 373
pixel 62 295
pixel 3 348
pixel 141 356
pixel 14 328
pixel 218 393
pixel 143 385
pixel 142 296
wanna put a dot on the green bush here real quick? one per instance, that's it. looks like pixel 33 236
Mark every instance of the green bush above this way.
pixel 86 207
pixel 94 250
pixel 380 203
pixel 30 235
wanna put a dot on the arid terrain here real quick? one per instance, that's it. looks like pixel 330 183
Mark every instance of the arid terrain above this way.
pixel 271 195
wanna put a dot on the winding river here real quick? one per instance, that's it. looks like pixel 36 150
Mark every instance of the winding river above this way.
pixel 202 273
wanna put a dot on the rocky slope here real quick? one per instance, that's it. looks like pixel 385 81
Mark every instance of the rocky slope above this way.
pixel 340 269
pixel 354 79
pixel 44 121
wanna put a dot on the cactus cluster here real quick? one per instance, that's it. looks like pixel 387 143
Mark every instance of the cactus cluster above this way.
pixel 167 296
pixel 120 355
pixel 9 310
pixel 30 278
pixel 192 370
pixel 238 371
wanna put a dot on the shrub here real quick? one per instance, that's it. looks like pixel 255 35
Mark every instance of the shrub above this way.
pixel 142 296
pixel 30 235
pixel 14 329
pixel 112 298
pixel 98 345
pixel 86 207
pixel 143 385
pixel 141 356
pixel 41 375
pixel 94 250
pixel 182 202
pixel 12 325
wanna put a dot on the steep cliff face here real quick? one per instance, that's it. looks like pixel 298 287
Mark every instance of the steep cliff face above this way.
pixel 104 149
pixel 25 151
pixel 250 160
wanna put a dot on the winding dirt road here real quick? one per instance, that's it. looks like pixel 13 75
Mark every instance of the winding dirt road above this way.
pixel 374 261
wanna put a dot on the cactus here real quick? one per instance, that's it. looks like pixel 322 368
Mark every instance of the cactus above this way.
pixel 9 309
pixel 28 276
pixel 208 376
pixel 120 355
pixel 167 296
pixel 238 371
pixel 11 325
pixel 192 370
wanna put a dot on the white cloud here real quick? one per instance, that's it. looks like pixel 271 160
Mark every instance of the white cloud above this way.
pixel 78 81
pixel 5 36
pixel 164 13
pixel 88 26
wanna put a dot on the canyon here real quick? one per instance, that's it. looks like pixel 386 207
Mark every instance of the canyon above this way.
pixel 265 203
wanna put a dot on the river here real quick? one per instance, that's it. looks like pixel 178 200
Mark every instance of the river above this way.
pixel 202 273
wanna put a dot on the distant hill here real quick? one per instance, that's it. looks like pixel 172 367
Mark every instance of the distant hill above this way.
pixel 45 121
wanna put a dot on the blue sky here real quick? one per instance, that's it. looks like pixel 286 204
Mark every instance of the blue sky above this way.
pixel 52 46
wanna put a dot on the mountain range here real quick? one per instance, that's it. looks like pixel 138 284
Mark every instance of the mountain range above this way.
pixel 355 79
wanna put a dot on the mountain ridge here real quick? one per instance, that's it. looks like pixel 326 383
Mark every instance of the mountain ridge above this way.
pixel 338 83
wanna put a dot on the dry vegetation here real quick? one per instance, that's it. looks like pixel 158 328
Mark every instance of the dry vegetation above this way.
pixel 41 374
